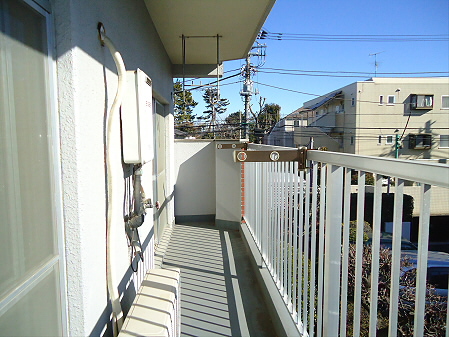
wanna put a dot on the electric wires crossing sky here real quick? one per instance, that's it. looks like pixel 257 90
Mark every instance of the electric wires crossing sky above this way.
pixel 266 35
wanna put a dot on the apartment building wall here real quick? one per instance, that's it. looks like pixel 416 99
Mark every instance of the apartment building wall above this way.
pixel 86 85
pixel 378 119
pixel 363 124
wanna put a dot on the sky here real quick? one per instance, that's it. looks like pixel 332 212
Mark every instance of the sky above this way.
pixel 338 58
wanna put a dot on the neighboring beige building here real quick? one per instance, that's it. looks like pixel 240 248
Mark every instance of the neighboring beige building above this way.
pixel 282 134
pixel 366 117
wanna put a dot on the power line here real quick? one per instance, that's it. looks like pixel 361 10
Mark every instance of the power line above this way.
pixel 208 84
pixel 356 72
pixel 265 35
pixel 296 73
pixel 316 95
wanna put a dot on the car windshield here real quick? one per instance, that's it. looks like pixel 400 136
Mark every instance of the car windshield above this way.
pixel 404 245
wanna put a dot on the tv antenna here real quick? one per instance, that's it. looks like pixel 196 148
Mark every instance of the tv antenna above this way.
pixel 376 65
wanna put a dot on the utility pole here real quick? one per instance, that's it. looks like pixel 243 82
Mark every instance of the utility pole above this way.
pixel 247 90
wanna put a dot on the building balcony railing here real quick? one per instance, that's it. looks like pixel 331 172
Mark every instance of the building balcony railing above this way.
pixel 323 257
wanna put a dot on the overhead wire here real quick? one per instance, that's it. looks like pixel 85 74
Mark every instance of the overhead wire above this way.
pixel 293 73
pixel 266 35
pixel 356 72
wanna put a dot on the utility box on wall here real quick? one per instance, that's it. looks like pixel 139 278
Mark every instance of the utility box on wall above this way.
pixel 137 118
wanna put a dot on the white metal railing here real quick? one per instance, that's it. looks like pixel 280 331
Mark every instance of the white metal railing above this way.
pixel 300 222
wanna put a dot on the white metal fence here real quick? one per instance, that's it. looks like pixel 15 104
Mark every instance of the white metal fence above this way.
pixel 300 222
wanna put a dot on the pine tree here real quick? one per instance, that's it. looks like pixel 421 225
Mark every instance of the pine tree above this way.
pixel 183 106
pixel 214 106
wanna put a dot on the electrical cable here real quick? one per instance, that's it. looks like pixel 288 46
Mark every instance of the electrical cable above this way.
pixel 266 35
pixel 357 72
pixel 331 75
pixel 207 84
pixel 113 141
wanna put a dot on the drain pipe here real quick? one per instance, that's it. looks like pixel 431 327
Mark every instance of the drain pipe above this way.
pixel 112 173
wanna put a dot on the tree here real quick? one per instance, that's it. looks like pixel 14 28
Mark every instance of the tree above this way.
pixel 270 115
pixel 214 106
pixel 233 124
pixel 436 305
pixel 184 104
pixel 267 116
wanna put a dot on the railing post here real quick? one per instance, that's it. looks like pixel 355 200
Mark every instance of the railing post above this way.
pixel 332 254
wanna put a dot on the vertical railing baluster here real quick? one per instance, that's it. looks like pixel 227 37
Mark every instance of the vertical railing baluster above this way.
pixel 332 254
pixel 300 243
pixel 375 248
pixel 306 250
pixel 278 226
pixel 345 251
pixel 284 231
pixel 295 242
pixel 265 213
pixel 289 235
pixel 321 241
pixel 396 258
pixel 271 216
pixel 313 248
pixel 421 270
pixel 359 253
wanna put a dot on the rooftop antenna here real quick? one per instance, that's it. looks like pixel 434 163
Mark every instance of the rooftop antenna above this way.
pixel 376 65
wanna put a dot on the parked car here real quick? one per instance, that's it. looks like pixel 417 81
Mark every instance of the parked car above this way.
pixel 437 269
pixel 386 241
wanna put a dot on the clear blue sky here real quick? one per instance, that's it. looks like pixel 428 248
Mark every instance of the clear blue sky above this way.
pixel 345 17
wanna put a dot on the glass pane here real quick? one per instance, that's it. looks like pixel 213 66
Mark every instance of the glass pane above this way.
pixel 27 233
pixel 445 102
pixel 444 140
pixel 37 312
pixel 161 134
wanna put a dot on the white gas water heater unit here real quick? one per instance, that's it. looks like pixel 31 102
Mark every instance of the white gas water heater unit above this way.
pixel 137 118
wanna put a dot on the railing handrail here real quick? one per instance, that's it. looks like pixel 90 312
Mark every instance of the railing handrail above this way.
pixel 413 170
pixel 300 221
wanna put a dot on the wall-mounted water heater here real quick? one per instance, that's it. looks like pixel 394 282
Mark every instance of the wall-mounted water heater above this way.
pixel 137 118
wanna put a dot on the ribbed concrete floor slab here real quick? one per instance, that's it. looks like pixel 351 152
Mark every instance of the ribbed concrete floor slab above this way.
pixel 219 295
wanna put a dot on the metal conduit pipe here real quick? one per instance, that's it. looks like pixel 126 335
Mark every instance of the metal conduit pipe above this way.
pixel 113 172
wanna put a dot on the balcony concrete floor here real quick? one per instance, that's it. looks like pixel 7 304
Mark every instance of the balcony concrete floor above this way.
pixel 219 294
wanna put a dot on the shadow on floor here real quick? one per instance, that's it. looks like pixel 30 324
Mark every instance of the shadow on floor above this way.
pixel 219 294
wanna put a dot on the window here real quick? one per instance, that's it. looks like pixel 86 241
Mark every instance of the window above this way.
pixel 389 139
pixel 379 140
pixel 419 141
pixel 445 102
pixel 421 101
pixel 28 195
pixel 352 101
pixel 352 140
pixel 391 99
pixel 381 99
pixel 444 141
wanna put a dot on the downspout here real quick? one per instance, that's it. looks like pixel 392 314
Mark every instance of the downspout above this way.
pixel 112 174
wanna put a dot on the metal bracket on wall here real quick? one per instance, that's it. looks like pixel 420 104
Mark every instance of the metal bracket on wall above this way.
pixel 243 146
pixel 299 155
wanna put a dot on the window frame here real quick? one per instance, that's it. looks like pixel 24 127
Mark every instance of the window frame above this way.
pixel 57 262
pixel 421 145
pixel 388 100
pixel 442 100
pixel 387 138
pixel 446 141
pixel 416 98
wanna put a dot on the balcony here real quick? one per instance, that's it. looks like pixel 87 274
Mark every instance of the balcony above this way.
pixel 264 246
